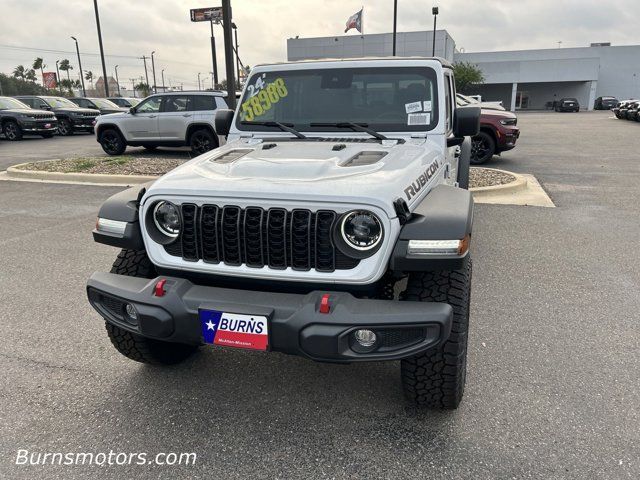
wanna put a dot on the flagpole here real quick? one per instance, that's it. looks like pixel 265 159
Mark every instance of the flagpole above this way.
pixel 362 20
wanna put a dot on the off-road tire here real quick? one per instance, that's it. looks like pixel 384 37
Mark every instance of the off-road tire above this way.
pixel 436 378
pixel 64 127
pixel 144 350
pixel 201 141
pixel 112 142
pixel 483 148
pixel 12 130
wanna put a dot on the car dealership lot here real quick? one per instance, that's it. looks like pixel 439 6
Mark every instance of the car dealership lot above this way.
pixel 552 389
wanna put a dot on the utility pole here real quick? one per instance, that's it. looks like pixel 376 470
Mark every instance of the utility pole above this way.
pixel 163 89
pixel 117 81
pixel 146 74
pixel 104 68
pixel 153 69
pixel 213 56
pixel 235 32
pixel 199 82
pixel 213 86
pixel 133 86
pixel 434 10
pixel 395 22
pixel 84 92
pixel 228 54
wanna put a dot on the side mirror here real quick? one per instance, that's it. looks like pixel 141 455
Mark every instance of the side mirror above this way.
pixel 46 107
pixel 223 120
pixel 466 121
pixel 132 110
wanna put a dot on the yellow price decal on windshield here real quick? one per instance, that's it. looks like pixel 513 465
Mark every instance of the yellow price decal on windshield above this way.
pixel 263 100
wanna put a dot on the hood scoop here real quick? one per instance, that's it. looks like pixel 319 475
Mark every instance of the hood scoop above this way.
pixel 231 155
pixel 363 158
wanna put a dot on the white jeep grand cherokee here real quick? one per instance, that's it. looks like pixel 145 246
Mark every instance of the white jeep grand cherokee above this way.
pixel 334 224
pixel 163 120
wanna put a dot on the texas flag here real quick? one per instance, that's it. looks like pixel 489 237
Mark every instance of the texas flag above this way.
pixel 234 330
pixel 355 21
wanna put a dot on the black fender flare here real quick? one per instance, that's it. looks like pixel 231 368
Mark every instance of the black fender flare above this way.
pixel 446 213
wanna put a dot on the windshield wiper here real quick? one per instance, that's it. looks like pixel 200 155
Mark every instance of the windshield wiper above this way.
pixel 285 127
pixel 356 127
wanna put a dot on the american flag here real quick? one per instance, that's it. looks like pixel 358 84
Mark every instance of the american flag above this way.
pixel 355 21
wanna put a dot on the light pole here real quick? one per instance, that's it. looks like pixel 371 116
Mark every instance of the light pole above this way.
pixel 104 68
pixel 162 73
pixel 146 74
pixel 199 82
pixel 58 72
pixel 153 69
pixel 213 86
pixel 235 32
pixel 133 86
pixel 84 92
pixel 395 21
pixel 117 81
pixel 213 55
pixel 434 10
pixel 228 53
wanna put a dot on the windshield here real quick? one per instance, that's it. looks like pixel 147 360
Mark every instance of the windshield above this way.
pixel 104 103
pixel 6 103
pixel 383 98
pixel 59 102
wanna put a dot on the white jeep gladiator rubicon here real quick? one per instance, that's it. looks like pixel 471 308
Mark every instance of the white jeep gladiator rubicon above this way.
pixel 334 224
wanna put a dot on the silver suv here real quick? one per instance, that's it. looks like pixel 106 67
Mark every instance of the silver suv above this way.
pixel 163 120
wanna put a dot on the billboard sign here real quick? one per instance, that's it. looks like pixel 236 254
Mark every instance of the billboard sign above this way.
pixel 213 14
pixel 49 79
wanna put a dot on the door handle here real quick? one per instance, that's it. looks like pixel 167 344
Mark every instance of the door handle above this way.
pixel 186 114
pixel 151 116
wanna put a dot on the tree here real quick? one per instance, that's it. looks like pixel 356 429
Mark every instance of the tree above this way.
pixel 10 85
pixel 39 64
pixel 143 88
pixel 65 66
pixel 19 72
pixel 467 75
pixel 30 75
pixel 89 77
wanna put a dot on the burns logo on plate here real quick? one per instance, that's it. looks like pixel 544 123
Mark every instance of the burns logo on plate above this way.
pixel 234 329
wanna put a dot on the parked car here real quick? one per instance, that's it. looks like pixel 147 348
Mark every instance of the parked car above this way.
pixel 164 120
pixel 126 102
pixel 299 234
pixel 472 100
pixel 498 133
pixel 103 105
pixel 567 105
pixel 18 119
pixel 631 110
pixel 621 109
pixel 605 103
pixel 71 118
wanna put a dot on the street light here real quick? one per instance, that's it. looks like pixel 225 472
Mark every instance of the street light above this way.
pixel 117 81
pixel 163 89
pixel 199 82
pixel 58 72
pixel 153 69
pixel 235 32
pixel 434 11
pixel 104 68
pixel 84 92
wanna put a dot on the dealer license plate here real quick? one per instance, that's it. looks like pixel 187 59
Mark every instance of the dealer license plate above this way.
pixel 234 329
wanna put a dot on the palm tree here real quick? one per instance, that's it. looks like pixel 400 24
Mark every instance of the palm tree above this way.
pixel 65 66
pixel 143 88
pixel 39 64
pixel 89 76
pixel 19 72
pixel 30 75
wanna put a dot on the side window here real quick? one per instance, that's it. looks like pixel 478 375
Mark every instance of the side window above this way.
pixel 221 103
pixel 175 103
pixel 448 95
pixel 203 102
pixel 37 103
pixel 28 101
pixel 150 105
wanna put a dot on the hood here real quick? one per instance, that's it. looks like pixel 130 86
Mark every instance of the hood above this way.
pixel 28 111
pixel 497 113
pixel 328 171
pixel 76 110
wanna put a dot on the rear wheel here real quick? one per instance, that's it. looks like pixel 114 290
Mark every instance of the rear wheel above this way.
pixel 64 127
pixel 12 130
pixel 112 142
pixel 436 378
pixel 136 347
pixel 483 147
pixel 202 141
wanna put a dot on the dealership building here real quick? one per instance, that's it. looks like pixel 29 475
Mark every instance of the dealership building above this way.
pixel 522 79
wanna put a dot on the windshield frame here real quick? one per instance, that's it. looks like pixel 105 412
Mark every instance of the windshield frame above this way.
pixel 428 71
pixel 10 99
pixel 48 99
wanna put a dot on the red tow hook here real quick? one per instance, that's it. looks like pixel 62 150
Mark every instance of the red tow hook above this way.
pixel 324 304
pixel 158 290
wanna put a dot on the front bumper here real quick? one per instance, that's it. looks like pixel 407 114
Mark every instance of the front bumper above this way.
pixel 83 123
pixel 39 126
pixel 507 138
pixel 296 325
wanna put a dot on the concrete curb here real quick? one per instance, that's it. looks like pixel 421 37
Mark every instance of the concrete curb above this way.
pixel 91 178
pixel 520 183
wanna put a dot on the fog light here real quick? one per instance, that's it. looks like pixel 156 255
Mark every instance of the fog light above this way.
pixel 132 315
pixel 365 338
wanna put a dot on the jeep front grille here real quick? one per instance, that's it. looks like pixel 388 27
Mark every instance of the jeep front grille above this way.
pixel 276 238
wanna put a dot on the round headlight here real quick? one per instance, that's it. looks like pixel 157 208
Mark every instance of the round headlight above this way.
pixel 167 218
pixel 361 230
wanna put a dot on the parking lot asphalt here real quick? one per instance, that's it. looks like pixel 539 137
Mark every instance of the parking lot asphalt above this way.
pixel 552 387
pixel 33 149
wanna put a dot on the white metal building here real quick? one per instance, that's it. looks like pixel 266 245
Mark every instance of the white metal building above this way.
pixel 523 79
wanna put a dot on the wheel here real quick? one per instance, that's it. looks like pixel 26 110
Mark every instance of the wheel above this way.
pixel 150 148
pixel 202 141
pixel 47 135
pixel 483 147
pixel 145 350
pixel 112 142
pixel 436 378
pixel 64 127
pixel 463 164
pixel 12 130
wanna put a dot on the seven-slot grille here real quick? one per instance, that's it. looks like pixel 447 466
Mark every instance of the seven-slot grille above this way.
pixel 276 238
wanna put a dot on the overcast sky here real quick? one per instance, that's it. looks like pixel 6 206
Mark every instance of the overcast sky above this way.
pixel 131 28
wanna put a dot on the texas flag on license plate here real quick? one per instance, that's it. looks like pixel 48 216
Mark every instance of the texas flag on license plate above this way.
pixel 234 329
